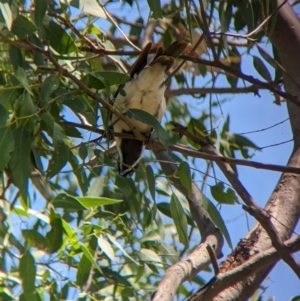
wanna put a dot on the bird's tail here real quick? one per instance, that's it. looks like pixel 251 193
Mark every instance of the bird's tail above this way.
pixel 167 57
pixel 130 154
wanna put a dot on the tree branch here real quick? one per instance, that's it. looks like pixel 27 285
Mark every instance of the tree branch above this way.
pixel 242 272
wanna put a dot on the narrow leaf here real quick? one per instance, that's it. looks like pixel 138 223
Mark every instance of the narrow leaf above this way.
pixel 151 120
pixel 90 7
pixel 148 256
pixel 40 11
pixel 59 39
pixel 155 7
pixel 20 160
pixel 22 27
pixel 27 272
pixel 16 57
pixel 261 68
pixel 6 146
pixel 185 177
pixel 105 247
pixel 66 201
pixel 102 79
pixel 179 218
pixel 6 13
pixel 59 159
pixel 115 242
pixel 90 257
pixel 55 235
pixel 151 181
pixel 217 218
pixel 97 201
pixel 83 271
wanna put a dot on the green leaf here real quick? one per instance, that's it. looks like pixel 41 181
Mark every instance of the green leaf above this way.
pixel 40 11
pixel 58 160
pixel 216 218
pixel 50 84
pixel 148 256
pixel 179 218
pixel 103 79
pixel 165 209
pixel 53 129
pixel 82 151
pixel 55 235
pixel 20 160
pixel 27 111
pixel 222 195
pixel 296 298
pixel 22 27
pixel 35 239
pixel 16 58
pixel 90 7
pixel 248 14
pixel 185 178
pixel 168 251
pixel 6 146
pixel 6 13
pixel 79 173
pixel 150 120
pixel 105 247
pixel 155 8
pixel 261 68
pixel 115 242
pixel 23 79
pixel 27 272
pixel 59 39
pixel 38 58
pixel 66 201
pixel 151 181
pixel 83 271
pixel 89 202
pixel 90 257
pixel 267 57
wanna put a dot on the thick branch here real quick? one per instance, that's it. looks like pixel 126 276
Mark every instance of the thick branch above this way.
pixel 242 272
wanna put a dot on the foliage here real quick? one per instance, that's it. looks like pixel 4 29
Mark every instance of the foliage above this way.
pixel 70 226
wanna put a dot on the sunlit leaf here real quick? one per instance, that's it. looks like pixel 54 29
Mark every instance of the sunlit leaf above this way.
pixel 148 256
pixel 90 257
pixel 118 245
pixel 66 201
pixel 90 7
pixel 106 247
pixel 6 13
pixel 89 201
pixel 59 39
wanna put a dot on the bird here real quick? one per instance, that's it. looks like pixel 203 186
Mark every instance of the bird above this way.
pixel 145 91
